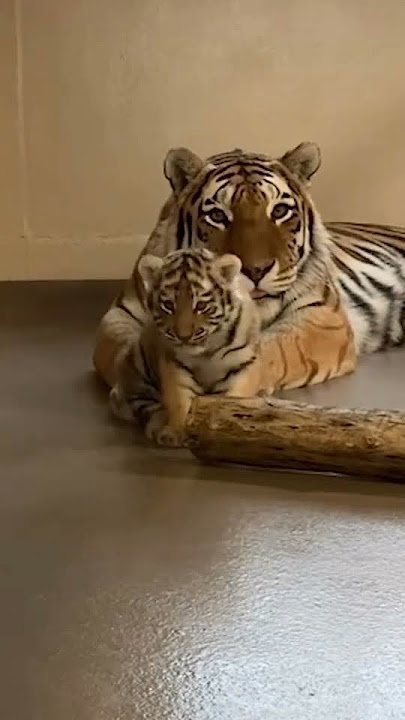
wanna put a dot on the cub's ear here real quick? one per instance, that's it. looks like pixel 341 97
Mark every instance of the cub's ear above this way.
pixel 228 266
pixel 303 161
pixel 180 166
pixel 148 268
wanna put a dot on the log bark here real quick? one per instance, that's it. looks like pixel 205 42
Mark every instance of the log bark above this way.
pixel 279 434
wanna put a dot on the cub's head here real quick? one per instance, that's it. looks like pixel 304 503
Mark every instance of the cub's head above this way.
pixel 252 206
pixel 191 293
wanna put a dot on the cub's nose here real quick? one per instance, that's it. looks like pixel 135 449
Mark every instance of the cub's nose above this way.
pixel 184 330
pixel 183 335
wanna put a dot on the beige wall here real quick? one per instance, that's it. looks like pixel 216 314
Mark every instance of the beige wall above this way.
pixel 93 93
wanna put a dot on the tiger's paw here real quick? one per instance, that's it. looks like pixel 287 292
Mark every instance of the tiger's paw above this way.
pixel 269 392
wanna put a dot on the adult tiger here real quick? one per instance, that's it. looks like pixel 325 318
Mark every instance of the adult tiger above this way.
pixel 325 292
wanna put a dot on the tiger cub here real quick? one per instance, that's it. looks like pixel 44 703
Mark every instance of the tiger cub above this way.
pixel 202 337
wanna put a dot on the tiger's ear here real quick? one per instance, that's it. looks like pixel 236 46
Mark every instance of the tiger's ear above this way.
pixel 303 161
pixel 180 166
pixel 148 268
pixel 228 267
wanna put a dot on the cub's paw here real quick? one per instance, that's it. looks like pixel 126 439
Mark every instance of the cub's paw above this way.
pixel 171 437
pixel 161 433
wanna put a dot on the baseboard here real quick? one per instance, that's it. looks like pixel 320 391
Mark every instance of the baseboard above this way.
pixel 69 259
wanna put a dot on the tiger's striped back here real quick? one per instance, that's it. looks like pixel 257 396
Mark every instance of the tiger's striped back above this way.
pixel 370 271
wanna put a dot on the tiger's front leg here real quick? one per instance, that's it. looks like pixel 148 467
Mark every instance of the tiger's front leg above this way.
pixel 178 389
pixel 319 348
pixel 247 383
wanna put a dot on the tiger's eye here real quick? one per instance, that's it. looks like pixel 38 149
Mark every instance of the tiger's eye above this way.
pixel 218 216
pixel 280 210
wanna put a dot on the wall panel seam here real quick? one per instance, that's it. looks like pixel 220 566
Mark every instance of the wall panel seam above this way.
pixel 22 149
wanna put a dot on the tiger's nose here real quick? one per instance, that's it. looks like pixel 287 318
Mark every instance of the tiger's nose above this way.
pixel 255 273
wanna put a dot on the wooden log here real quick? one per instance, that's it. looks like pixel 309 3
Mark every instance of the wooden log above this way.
pixel 275 433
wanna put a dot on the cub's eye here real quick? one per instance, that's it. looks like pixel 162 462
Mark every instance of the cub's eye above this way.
pixel 201 307
pixel 167 306
pixel 280 210
pixel 217 216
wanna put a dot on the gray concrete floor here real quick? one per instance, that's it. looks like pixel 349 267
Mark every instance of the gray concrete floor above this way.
pixel 139 585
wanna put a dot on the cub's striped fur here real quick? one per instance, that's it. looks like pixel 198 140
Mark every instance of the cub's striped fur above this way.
pixel 339 287
pixel 202 337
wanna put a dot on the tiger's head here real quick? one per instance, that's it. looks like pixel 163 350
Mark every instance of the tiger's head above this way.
pixel 251 206
pixel 192 294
